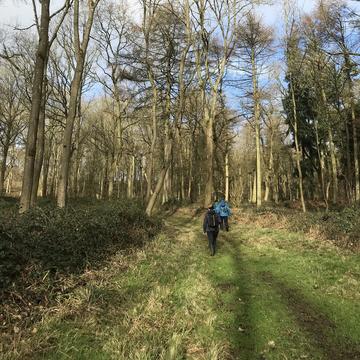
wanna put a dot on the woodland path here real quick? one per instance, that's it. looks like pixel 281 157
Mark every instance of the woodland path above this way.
pixel 266 294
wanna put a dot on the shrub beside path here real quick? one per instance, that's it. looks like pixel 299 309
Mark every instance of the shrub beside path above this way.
pixel 267 294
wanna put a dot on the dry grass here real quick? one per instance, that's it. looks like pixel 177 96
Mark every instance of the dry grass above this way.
pixel 320 233
pixel 137 306
pixel 170 300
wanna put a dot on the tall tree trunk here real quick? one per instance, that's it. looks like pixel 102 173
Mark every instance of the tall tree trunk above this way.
pixel 117 138
pixel 289 187
pixel 76 185
pixel 190 177
pixel 164 175
pixel 9 182
pixel 112 172
pixel 356 152
pixel 131 178
pixel 267 188
pixel 75 91
pixel 167 155
pixel 297 148
pixel 159 185
pixel 276 188
pixel 333 166
pixel 39 158
pixel 150 165
pixel 166 189
pixel 227 174
pixel 331 148
pixel 209 161
pixel 77 151
pixel 180 169
pixel 284 186
pixel 141 177
pixel 182 175
pixel 256 100
pixel 349 177
pixel 254 192
pixel 148 16
pixel 105 182
pixel 322 166
pixel 46 168
pixel 209 133
pixel 250 188
pixel 348 68
pixel 36 97
pixel 270 170
pixel 258 166
pixel 67 137
pixel 53 187
pixel 3 167
pixel 118 195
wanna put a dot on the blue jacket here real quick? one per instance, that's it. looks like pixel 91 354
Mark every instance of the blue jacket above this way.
pixel 222 208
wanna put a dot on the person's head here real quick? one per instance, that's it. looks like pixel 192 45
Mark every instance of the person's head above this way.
pixel 211 206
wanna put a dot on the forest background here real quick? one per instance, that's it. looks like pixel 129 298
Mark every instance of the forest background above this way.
pixel 181 101
pixel 115 114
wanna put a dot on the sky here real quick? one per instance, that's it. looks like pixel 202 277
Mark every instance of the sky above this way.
pixel 19 12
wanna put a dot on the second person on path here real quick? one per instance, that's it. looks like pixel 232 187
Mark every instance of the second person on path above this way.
pixel 222 208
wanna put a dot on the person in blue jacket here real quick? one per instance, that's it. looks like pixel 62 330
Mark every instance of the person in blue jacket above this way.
pixel 222 208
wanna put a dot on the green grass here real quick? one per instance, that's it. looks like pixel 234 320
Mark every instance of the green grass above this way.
pixel 304 296
pixel 267 294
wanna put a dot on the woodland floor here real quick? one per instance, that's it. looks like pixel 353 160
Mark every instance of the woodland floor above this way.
pixel 267 294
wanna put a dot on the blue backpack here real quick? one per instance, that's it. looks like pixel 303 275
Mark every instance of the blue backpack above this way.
pixel 224 209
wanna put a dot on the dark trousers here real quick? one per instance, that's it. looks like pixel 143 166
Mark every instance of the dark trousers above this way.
pixel 212 235
pixel 224 222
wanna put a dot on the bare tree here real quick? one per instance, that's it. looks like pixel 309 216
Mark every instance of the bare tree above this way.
pixel 80 48
pixel 255 42
pixel 12 114
pixel 113 39
pixel 37 95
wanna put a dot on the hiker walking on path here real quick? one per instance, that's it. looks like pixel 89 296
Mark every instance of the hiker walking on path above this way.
pixel 211 227
pixel 222 208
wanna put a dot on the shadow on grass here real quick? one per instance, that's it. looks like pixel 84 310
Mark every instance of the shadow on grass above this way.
pixel 102 307
pixel 233 282
pixel 44 252
pixel 320 329
pixel 81 332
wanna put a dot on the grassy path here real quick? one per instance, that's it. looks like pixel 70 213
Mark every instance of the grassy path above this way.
pixel 267 294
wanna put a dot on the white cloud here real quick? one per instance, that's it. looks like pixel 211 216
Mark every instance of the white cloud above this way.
pixel 20 12
pixel 15 13
pixel 272 14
